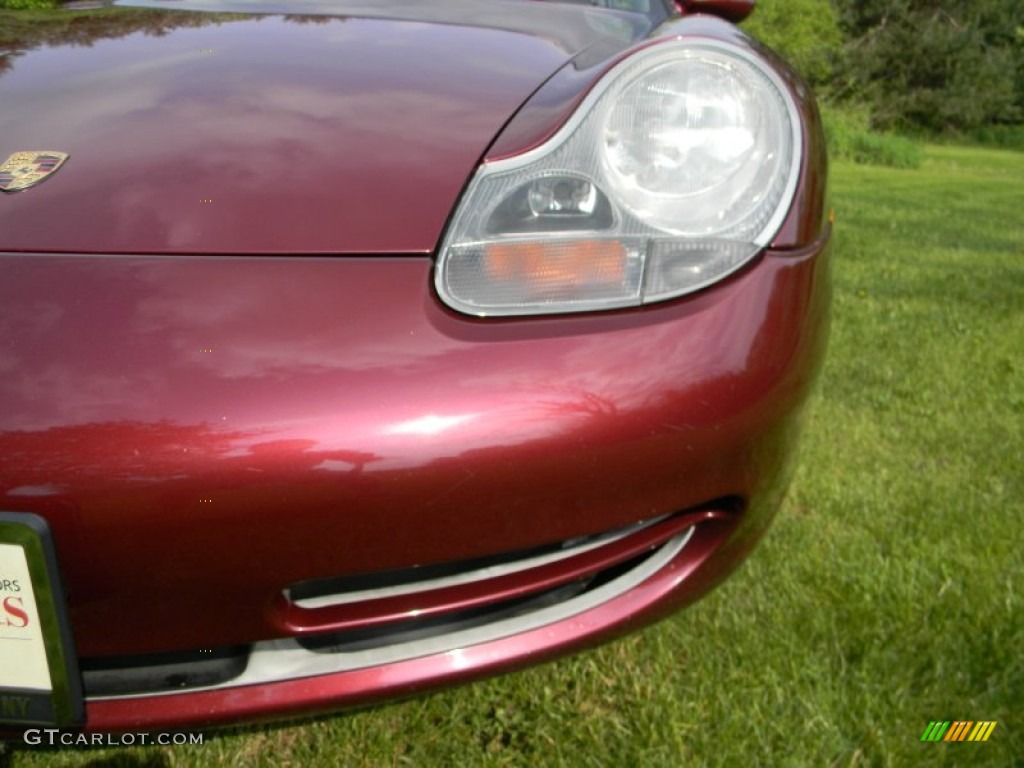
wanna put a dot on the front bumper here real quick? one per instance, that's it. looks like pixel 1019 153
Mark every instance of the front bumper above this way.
pixel 208 436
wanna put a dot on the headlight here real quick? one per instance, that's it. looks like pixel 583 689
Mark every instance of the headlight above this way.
pixel 677 168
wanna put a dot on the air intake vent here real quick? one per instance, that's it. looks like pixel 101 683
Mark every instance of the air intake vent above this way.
pixel 396 606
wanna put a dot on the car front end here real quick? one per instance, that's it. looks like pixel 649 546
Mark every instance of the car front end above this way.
pixel 347 357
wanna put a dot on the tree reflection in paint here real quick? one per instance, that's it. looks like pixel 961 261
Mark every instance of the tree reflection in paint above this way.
pixel 92 457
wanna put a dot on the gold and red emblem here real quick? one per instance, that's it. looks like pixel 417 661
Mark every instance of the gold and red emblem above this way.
pixel 25 169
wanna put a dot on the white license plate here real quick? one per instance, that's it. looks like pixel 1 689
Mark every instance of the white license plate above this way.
pixel 39 680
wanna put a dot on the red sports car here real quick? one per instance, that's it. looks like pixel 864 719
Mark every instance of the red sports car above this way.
pixel 353 348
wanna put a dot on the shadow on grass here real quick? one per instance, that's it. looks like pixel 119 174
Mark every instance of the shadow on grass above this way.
pixel 149 760
pixel 155 760
pixel 153 755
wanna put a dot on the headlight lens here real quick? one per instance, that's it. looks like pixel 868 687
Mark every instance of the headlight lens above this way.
pixel 677 168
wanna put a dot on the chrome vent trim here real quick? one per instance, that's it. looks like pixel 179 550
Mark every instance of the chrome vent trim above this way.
pixel 584 544
pixel 282 660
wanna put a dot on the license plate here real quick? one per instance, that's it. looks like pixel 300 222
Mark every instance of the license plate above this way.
pixel 39 680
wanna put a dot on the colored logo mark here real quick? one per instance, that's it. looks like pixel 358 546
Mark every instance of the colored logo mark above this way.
pixel 959 730
pixel 25 169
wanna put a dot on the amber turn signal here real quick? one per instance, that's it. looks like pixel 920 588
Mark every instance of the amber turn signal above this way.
pixel 558 266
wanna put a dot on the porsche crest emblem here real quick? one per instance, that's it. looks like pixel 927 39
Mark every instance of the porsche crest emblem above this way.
pixel 25 169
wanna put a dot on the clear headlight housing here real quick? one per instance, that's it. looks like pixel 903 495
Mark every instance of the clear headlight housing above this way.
pixel 676 170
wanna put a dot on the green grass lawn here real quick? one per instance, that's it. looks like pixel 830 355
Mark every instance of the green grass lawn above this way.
pixel 889 592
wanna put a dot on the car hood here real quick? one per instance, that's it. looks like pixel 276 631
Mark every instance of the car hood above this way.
pixel 223 132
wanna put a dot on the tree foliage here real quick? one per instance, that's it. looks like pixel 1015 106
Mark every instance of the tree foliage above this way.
pixel 935 65
pixel 805 32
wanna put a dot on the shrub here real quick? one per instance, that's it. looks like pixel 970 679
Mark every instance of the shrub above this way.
pixel 849 137
pixel 1001 136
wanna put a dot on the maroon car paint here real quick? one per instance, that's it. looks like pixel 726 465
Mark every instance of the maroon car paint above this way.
pixel 156 427
pixel 195 428
pixel 207 423
pixel 264 134
pixel 733 10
